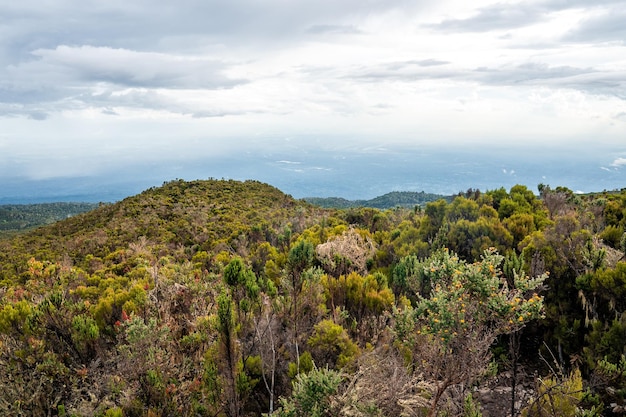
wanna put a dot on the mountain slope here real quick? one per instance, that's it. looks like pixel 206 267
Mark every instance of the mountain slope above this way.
pixel 200 214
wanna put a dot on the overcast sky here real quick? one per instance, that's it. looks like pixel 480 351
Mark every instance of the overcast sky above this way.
pixel 93 87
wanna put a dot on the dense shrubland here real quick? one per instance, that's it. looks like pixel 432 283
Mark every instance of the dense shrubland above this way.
pixel 223 298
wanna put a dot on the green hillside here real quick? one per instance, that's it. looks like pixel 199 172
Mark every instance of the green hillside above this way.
pixel 227 298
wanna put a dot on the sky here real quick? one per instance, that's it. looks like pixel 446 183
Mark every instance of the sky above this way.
pixel 101 99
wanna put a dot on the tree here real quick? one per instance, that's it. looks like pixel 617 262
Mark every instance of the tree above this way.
pixel 449 332
pixel 244 287
pixel 563 249
pixel 300 258
pixel 311 394
pixel 227 331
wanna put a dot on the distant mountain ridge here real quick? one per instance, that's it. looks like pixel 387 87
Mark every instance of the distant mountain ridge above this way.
pixel 406 199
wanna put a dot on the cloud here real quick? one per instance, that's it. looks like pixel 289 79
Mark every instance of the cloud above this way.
pixel 73 78
pixel 372 72
pixel 607 26
pixel 333 29
pixel 431 62
pixel 493 17
pixel 528 74
pixel 619 162
pixel 35 115
pixel 135 69
pixel 163 26
pixel 591 80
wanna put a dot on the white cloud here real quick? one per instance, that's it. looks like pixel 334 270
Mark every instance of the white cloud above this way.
pixel 231 75
pixel 619 162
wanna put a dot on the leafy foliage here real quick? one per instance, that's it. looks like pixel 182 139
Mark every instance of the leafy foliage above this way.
pixel 216 298
pixel 311 394
pixel 447 335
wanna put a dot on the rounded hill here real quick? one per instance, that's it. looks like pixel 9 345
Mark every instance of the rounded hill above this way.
pixel 188 216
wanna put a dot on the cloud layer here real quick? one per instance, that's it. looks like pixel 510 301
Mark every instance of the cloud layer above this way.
pixel 103 79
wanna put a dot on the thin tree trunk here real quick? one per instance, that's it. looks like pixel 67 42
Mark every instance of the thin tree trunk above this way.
pixel 269 386
pixel 514 351
pixel 440 390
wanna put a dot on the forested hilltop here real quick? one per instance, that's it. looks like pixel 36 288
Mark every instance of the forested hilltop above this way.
pixel 406 199
pixel 226 298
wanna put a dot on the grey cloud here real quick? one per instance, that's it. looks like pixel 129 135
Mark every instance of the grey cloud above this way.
pixel 110 112
pixel 528 74
pixel 608 27
pixel 570 4
pixel 531 72
pixel 23 93
pixel 333 29
pixel 189 25
pixel 23 111
pixel 407 71
pixel 37 115
pixel 496 17
pixel 151 99
pixel 431 62
pixel 534 74
pixel 214 113
pixel 511 16
pixel 75 77
pixel 134 98
pixel 134 69
pixel 55 56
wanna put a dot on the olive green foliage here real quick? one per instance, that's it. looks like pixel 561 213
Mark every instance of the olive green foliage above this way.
pixel 465 297
pixel 609 380
pixel 333 344
pixel 557 397
pixel 446 336
pixel 471 408
pixel 209 298
pixel 359 296
pixel 311 395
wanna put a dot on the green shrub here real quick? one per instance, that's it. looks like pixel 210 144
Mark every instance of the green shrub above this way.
pixel 333 344
pixel 311 394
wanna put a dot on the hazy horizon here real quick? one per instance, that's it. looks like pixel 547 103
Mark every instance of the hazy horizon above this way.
pixel 348 173
pixel 350 98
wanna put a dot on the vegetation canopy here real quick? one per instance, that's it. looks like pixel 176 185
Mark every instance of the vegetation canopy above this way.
pixel 227 298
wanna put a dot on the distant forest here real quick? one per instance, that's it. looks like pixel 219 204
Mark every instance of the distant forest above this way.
pixel 20 217
pixel 232 299
pixel 406 199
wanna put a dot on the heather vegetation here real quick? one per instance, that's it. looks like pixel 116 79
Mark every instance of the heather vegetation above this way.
pixel 226 298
